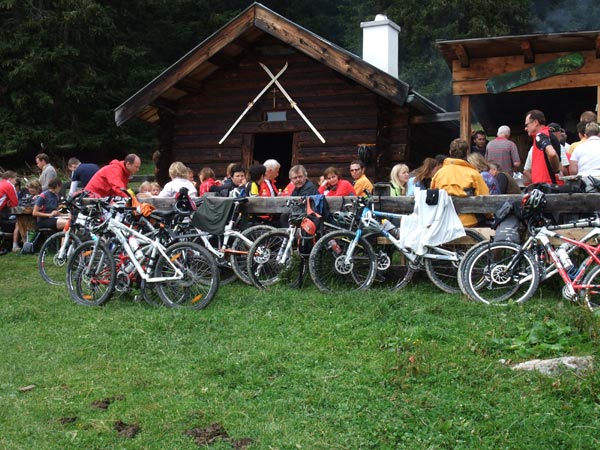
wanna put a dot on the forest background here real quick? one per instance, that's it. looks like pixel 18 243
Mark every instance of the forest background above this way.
pixel 66 64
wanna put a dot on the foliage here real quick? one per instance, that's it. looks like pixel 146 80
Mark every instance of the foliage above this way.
pixel 285 369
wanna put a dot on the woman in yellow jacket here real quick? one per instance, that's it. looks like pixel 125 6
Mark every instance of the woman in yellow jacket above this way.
pixel 460 179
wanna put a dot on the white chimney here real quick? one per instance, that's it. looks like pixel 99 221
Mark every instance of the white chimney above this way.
pixel 380 43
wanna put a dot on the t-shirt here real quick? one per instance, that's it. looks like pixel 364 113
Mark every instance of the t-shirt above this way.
pixel 47 202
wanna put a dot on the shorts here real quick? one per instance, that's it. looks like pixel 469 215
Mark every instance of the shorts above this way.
pixel 47 222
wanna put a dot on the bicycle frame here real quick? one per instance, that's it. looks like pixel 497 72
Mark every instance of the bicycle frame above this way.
pixel 122 233
pixel 544 234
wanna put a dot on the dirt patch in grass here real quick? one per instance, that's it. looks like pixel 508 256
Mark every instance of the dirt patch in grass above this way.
pixel 105 402
pixel 214 432
pixel 126 430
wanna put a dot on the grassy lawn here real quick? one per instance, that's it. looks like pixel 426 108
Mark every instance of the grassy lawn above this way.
pixel 289 369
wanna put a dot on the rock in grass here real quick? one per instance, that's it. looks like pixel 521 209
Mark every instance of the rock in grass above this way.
pixel 557 366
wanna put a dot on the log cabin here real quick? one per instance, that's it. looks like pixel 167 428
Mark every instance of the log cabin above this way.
pixel 328 106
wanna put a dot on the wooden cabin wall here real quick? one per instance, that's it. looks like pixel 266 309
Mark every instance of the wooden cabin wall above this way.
pixel 345 113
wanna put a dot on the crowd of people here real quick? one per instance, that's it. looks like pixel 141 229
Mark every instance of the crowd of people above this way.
pixel 480 167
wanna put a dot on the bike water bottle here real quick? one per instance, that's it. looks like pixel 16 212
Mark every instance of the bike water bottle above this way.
pixel 564 256
pixel 335 246
pixel 135 246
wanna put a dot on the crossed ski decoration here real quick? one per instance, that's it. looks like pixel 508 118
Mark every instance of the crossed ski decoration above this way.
pixel 293 104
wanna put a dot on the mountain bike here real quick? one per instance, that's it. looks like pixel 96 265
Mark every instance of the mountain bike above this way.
pixel 184 274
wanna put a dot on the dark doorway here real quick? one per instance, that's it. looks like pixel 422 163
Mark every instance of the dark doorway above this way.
pixel 275 146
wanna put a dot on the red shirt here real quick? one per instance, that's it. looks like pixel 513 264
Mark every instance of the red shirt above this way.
pixel 342 188
pixel 109 180
pixel 206 185
pixel 8 195
pixel 265 191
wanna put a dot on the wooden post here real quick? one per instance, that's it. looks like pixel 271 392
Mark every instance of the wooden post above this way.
pixel 597 100
pixel 465 118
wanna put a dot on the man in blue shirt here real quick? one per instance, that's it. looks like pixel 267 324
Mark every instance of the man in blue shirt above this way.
pixel 82 174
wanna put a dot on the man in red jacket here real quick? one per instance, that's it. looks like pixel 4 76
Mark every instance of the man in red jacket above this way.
pixel 111 179
pixel 545 156
pixel 8 193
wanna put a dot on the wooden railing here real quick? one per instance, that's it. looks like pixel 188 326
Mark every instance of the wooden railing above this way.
pixel 566 203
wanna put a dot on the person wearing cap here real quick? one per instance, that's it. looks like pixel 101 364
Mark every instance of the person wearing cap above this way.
pixel 557 130
pixel 503 151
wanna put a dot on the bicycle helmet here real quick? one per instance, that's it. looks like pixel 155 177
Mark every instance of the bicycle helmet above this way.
pixel 370 223
pixel 343 219
pixel 308 227
pixel 533 203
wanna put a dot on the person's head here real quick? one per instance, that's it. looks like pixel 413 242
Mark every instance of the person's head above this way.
pixel 440 158
pixel 555 129
pixel 332 175
pixel 503 131
pixel 145 188
pixel 10 176
pixel 399 175
pixel 357 169
pixel 178 170
pixel 581 128
pixel 257 172
pixel 156 157
pixel 132 163
pixel 54 185
pixel 478 161
pixel 34 187
pixel 228 170
pixel 190 174
pixel 479 139
pixel 592 129
pixel 238 175
pixel 272 167
pixel 458 148
pixel 494 168
pixel 588 116
pixel 205 174
pixel 72 164
pixel 42 160
pixel 155 188
pixel 298 176
pixel 534 120
pixel 428 169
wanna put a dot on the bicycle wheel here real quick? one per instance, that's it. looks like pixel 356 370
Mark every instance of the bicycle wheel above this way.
pixel 444 273
pixel 268 257
pixel 91 274
pixel 394 270
pixel 52 260
pixel 500 273
pixel 239 248
pixel 590 296
pixel 200 280
pixel 328 268
pixel 463 262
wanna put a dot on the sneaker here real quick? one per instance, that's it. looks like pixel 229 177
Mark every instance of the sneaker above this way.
pixel 16 249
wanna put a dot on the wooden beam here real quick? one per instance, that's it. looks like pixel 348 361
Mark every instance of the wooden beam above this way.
pixel 570 203
pixel 190 86
pixel 528 55
pixel 465 118
pixel 164 104
pixel 598 47
pixel 223 61
pixel 462 55
pixel 435 118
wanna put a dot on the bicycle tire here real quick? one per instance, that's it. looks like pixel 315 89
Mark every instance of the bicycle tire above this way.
pixel 200 280
pixel 96 287
pixel 463 262
pixel 263 267
pixel 486 277
pixel 239 257
pixel 443 273
pixel 52 265
pixel 394 270
pixel 327 268
pixel 590 296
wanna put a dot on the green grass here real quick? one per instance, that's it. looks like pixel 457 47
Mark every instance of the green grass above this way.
pixel 291 370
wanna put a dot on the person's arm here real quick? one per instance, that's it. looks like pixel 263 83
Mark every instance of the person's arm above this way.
pixel 38 213
pixel 73 188
pixel 573 167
